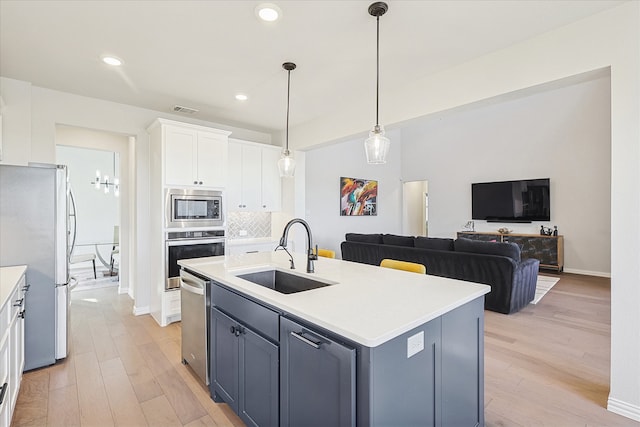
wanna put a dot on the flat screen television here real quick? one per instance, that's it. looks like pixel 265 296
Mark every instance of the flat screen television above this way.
pixel 511 201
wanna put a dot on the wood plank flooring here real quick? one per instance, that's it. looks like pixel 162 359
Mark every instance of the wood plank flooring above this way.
pixel 547 365
pixel 123 370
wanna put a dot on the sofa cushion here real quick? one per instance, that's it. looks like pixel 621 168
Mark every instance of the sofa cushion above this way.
pixel 392 239
pixel 435 243
pixel 363 238
pixel 510 250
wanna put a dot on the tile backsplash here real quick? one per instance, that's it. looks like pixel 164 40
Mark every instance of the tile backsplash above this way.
pixel 256 224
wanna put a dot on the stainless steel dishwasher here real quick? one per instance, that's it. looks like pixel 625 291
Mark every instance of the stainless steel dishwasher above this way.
pixel 195 302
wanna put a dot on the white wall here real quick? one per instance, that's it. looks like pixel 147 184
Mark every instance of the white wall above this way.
pixel 325 166
pixel 97 212
pixel 563 134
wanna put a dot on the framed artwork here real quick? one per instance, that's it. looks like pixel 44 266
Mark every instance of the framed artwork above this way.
pixel 358 197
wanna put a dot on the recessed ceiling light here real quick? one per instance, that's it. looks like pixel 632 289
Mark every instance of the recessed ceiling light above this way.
pixel 268 12
pixel 112 60
pixel 241 97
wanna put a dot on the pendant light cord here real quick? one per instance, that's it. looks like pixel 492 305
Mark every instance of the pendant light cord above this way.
pixel 377 66
pixel 288 91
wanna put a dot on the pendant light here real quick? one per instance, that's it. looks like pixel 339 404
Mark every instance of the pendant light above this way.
pixel 376 146
pixel 286 164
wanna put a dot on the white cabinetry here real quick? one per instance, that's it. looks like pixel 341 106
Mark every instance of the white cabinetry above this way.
pixel 12 308
pixel 194 157
pixel 182 156
pixel 247 246
pixel 254 182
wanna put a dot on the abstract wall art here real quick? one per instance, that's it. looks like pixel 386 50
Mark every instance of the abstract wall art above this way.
pixel 358 197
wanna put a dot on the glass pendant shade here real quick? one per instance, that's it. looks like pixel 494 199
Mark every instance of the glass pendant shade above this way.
pixel 286 165
pixel 376 146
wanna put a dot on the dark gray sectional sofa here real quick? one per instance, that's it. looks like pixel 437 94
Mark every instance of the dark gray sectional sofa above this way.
pixel 512 280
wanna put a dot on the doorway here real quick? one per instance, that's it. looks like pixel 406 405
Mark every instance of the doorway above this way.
pixel 415 208
pixel 94 214
pixel 103 223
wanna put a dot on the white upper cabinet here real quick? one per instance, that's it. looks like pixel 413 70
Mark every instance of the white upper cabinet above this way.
pixel 195 157
pixel 211 160
pixel 253 180
pixel 271 182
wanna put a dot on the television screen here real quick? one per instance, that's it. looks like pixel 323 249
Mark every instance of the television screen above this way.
pixel 511 201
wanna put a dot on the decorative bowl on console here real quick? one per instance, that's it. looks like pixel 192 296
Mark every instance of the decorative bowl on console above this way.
pixel 504 230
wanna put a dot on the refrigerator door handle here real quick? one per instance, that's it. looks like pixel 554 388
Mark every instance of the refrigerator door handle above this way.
pixel 61 234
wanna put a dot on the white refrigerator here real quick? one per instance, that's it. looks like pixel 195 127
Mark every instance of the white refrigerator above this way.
pixel 34 232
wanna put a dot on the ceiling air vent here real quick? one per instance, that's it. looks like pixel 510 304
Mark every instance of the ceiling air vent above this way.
pixel 182 109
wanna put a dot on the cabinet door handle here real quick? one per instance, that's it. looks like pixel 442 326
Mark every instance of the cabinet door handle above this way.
pixel 306 340
pixel 200 183
pixel 19 302
pixel 26 288
pixel 21 314
pixel 195 182
pixel 3 392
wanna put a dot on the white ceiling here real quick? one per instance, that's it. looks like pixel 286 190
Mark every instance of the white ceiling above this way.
pixel 201 53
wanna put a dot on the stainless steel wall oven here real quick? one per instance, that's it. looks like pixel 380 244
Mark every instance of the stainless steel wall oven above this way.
pixel 193 208
pixel 189 244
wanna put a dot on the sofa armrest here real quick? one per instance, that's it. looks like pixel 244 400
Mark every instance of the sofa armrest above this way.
pixel 525 278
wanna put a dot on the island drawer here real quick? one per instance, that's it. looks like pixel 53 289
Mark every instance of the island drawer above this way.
pixel 250 313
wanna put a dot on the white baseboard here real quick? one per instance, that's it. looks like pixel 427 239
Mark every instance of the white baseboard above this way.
pixel 137 311
pixel 587 272
pixel 623 408
pixel 122 291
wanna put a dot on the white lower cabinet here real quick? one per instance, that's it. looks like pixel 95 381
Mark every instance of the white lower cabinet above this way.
pixel 238 248
pixel 170 312
pixel 5 404
pixel 11 339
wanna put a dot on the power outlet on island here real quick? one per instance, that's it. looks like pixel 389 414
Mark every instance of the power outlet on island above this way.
pixel 415 344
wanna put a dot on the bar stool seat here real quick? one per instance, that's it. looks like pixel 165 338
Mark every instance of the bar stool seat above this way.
pixel 403 265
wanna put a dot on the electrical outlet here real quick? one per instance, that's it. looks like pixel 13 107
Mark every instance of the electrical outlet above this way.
pixel 415 344
pixel 242 232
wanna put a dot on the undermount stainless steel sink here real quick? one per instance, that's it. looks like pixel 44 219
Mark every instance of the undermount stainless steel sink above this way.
pixel 282 282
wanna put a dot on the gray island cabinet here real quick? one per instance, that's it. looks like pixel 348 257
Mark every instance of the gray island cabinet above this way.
pixel 399 349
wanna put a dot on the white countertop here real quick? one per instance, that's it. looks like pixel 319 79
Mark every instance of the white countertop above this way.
pixel 368 304
pixel 9 277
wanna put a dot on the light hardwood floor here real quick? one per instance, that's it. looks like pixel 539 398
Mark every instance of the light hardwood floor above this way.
pixel 123 370
pixel 547 365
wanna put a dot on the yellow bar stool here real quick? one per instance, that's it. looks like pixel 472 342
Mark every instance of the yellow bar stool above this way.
pixel 404 265
pixel 327 253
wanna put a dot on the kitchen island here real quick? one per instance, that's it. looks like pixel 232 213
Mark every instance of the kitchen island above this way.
pixel 372 346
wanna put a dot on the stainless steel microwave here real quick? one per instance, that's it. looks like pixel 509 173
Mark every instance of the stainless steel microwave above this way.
pixel 193 208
